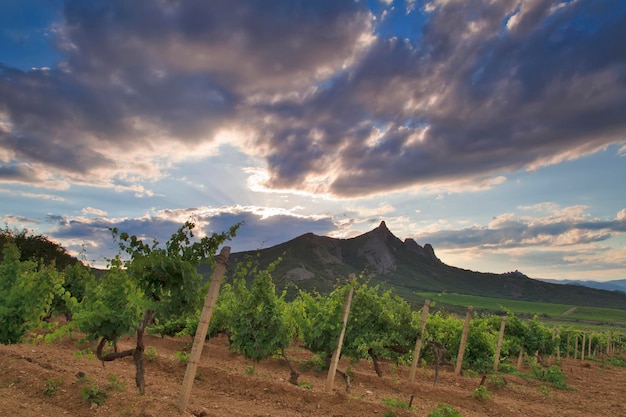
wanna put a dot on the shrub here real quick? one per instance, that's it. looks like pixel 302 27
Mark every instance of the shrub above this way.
pixel 93 394
pixel 392 402
pixel 481 393
pixel 183 357
pixel 52 386
pixel 444 410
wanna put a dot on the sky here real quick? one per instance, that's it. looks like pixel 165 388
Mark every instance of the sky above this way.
pixel 493 130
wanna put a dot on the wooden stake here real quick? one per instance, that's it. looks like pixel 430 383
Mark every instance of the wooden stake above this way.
pixel 334 362
pixel 576 347
pixel 203 327
pixel 459 358
pixel 418 343
pixel 558 346
pixel 582 348
pixel 496 359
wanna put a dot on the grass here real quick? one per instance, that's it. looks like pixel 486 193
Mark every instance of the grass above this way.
pixel 582 313
pixel 392 402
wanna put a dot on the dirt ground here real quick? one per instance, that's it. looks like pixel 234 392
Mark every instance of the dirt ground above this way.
pixel 46 380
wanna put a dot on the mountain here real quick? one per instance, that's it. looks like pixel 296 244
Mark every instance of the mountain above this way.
pixel 313 262
pixel 614 285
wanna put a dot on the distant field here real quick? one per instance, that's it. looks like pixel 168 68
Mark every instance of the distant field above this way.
pixel 555 311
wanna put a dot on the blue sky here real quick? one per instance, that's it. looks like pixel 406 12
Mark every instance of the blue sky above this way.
pixel 495 131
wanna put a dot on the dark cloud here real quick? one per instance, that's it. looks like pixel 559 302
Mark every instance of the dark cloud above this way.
pixel 260 233
pixel 256 232
pixel 481 98
pixel 484 88
pixel 16 172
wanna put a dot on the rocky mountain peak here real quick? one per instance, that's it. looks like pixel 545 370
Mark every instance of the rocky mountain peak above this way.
pixel 425 252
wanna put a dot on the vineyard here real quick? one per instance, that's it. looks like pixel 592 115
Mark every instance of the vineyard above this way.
pixel 152 294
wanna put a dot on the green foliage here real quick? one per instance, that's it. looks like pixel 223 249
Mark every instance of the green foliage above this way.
pixel 393 402
pixel 553 375
pixel 93 394
pixel 167 275
pixel 36 248
pixel 538 338
pixel 305 385
pixel 616 361
pixel 318 321
pixel 151 353
pixel 155 283
pixel 261 326
pixel 481 393
pixel 445 329
pixel 315 362
pixel 27 289
pixel 444 410
pixel 182 357
pixel 379 322
pixel 250 370
pixel 78 278
pixel 496 380
pixel 111 308
pixel 481 343
pixel 52 386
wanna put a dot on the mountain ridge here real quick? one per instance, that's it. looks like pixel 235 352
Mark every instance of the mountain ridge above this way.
pixel 318 263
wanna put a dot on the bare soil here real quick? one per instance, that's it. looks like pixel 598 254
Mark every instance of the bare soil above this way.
pixel 229 385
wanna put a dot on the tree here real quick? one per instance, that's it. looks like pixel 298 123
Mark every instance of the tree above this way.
pixel 155 283
pixel 27 289
pixel 37 248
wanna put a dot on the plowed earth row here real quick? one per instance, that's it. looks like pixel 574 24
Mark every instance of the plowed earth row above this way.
pixel 229 385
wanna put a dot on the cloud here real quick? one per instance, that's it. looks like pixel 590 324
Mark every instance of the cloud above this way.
pixel 37 196
pixel 332 106
pixel 262 227
pixel 94 212
pixel 568 226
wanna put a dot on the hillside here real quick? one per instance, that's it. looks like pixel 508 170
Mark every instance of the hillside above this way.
pixel 314 262
pixel 614 285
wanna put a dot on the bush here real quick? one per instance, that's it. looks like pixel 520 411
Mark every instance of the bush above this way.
pixel 481 393
pixel 554 375
pixel 444 410
pixel 52 386
pixel 93 394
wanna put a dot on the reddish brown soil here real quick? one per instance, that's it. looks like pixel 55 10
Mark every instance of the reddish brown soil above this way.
pixel 226 387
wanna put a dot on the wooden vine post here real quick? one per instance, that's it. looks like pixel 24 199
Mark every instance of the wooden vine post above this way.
pixel 418 343
pixel 576 347
pixel 459 359
pixel 203 327
pixel 589 350
pixel 334 362
pixel 582 348
pixel 496 359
